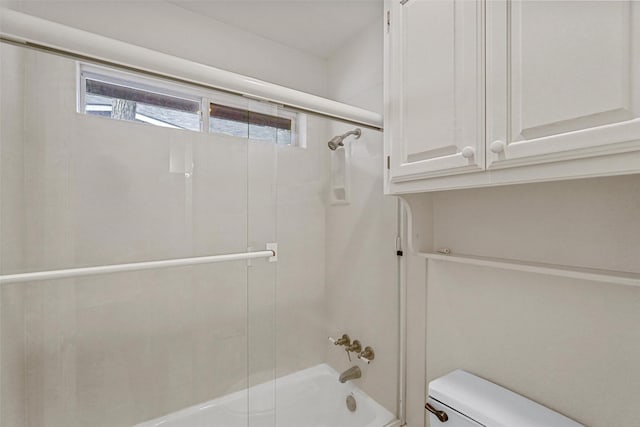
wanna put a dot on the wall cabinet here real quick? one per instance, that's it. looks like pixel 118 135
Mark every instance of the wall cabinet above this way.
pixel 487 93
pixel 437 89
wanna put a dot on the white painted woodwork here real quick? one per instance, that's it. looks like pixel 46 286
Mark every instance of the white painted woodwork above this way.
pixel 562 92
pixel 606 165
pixel 569 73
pixel 435 84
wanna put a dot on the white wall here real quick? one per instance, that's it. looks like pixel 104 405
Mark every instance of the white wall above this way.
pixel 565 343
pixel 589 223
pixel 362 291
pixel 167 28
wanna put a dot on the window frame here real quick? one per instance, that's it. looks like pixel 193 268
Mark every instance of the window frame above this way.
pixel 203 96
pixel 135 81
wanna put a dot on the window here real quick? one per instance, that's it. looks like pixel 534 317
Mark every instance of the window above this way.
pixel 117 97
pixel 124 96
pixel 242 122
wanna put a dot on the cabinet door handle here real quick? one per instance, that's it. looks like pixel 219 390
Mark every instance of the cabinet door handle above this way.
pixel 441 415
pixel 468 152
pixel 497 146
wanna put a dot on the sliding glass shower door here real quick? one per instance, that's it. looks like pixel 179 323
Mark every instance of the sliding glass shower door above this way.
pixel 123 173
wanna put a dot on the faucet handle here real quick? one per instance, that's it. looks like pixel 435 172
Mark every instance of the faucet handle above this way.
pixel 343 340
pixel 355 347
pixel 367 355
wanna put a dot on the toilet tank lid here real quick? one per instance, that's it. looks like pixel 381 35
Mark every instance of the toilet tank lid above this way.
pixel 491 405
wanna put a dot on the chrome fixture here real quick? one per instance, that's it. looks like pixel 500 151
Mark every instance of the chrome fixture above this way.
pixel 338 141
pixel 367 355
pixel 350 374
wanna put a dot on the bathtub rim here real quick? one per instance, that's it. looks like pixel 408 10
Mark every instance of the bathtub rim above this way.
pixel 321 368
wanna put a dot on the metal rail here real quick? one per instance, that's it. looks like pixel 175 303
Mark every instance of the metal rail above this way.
pixel 135 266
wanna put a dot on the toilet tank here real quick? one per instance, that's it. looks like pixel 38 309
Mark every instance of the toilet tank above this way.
pixel 465 400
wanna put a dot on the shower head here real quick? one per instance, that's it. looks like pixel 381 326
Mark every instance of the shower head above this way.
pixel 338 141
pixel 335 143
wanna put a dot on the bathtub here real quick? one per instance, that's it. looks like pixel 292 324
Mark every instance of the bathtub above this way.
pixel 309 398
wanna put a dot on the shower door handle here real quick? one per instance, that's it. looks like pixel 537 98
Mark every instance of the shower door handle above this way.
pixel 441 415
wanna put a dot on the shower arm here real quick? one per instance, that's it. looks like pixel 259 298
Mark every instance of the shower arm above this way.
pixel 338 141
pixel 356 132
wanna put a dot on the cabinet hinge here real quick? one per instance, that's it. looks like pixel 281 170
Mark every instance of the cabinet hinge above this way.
pixel 388 162
pixel 388 20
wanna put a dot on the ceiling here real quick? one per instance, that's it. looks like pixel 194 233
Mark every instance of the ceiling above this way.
pixel 318 27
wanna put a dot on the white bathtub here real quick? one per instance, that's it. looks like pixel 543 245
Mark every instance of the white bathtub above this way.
pixel 309 398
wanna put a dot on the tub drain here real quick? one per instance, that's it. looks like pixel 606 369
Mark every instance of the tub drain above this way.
pixel 351 403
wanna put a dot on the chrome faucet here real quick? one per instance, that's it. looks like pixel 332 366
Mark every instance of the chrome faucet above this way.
pixel 352 373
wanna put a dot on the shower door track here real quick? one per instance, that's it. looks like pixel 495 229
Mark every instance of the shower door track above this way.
pixel 137 266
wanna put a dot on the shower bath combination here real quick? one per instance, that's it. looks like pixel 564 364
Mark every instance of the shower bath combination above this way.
pixel 151 231
pixel 338 141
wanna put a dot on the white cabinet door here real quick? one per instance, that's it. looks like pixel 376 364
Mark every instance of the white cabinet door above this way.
pixel 434 88
pixel 563 80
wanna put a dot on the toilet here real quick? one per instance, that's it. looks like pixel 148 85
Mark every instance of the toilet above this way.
pixel 461 399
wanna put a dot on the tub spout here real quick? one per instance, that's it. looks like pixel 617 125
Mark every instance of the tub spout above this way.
pixel 352 373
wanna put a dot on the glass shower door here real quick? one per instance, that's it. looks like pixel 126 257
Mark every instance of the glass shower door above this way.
pixel 80 190
pixel 262 276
